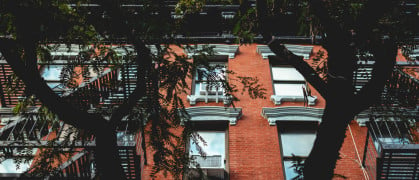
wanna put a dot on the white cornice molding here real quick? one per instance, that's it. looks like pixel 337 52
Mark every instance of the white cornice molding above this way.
pixel 297 113
pixel 213 113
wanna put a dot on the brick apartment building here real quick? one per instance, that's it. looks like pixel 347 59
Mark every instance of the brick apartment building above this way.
pixel 256 139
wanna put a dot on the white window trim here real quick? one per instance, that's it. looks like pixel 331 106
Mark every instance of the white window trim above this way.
pixel 212 113
pixel 297 113
pixel 287 76
pixel 212 95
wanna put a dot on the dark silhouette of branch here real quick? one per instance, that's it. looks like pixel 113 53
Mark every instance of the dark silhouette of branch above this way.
pixel 36 85
pixel 143 59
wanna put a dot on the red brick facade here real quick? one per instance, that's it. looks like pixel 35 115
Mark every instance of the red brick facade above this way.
pixel 253 145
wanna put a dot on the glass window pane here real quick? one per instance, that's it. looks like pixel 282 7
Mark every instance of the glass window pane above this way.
pixel 290 172
pixel 214 145
pixel 297 143
pixel 9 166
pixel 282 89
pixel 52 72
pixel 53 85
pixel 286 74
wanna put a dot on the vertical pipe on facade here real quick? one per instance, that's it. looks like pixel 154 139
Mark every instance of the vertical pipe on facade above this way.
pixel 357 154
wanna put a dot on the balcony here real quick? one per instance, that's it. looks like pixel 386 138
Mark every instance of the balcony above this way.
pixel 391 149
pixel 30 132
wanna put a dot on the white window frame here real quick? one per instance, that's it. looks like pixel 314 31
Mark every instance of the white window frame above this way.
pixel 205 90
pixel 308 126
pixel 289 78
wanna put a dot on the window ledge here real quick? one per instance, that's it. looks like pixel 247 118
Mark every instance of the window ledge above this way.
pixel 205 98
pixel 212 113
pixel 291 114
pixel 277 99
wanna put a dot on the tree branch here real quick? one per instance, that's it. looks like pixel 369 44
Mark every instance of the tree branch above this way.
pixel 385 54
pixel 37 85
pixel 297 61
pixel 143 60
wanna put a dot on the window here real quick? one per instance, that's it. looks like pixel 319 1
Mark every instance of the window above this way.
pixel 8 166
pixel 52 75
pixel 213 149
pixel 64 52
pixel 296 139
pixel 208 150
pixel 290 85
pixel 208 84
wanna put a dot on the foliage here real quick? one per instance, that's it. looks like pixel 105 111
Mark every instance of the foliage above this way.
pixel 245 26
pixel 166 78
pixel 320 64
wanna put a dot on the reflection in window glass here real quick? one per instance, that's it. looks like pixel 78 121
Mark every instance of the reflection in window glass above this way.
pixel 214 145
pixel 53 85
pixel 52 72
pixel 203 75
pixel 297 139
pixel 298 144
pixel 290 172
pixel 9 166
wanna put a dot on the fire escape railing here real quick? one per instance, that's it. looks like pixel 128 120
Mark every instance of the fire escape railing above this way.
pixel 402 89
pixel 392 144
pixel 31 132
pixel 391 149
pixel 108 89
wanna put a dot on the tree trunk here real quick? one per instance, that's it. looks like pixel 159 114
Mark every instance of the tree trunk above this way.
pixel 107 157
pixel 330 136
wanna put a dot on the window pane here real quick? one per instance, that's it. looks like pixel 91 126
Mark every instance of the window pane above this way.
pixel 214 146
pixel 53 85
pixel 297 143
pixel 52 72
pixel 216 74
pixel 282 89
pixel 9 166
pixel 289 170
pixel 286 74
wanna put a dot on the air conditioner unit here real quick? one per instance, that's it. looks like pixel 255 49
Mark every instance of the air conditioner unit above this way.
pixel 214 88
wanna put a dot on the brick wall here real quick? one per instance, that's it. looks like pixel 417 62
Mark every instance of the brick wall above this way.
pixel 253 146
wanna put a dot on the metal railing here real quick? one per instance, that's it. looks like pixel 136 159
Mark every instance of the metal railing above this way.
pixel 390 150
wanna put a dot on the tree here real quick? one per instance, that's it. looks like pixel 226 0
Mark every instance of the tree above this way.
pixel 30 25
pixel 368 31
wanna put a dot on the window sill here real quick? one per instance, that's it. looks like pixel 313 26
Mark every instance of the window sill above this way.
pixel 206 98
pixel 277 99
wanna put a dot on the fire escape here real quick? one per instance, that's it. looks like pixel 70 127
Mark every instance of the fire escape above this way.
pixel 30 131
pixel 392 145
